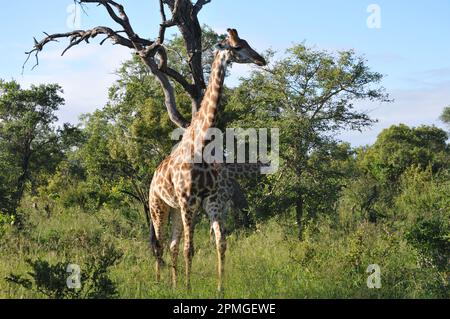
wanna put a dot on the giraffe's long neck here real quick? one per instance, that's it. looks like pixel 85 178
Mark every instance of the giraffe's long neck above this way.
pixel 195 137
pixel 206 118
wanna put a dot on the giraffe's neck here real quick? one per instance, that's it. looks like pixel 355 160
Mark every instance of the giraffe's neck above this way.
pixel 206 117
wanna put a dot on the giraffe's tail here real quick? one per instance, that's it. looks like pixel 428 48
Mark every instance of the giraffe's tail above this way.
pixel 153 240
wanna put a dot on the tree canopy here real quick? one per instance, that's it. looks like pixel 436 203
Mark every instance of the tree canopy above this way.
pixel 309 95
pixel 400 147
pixel 31 146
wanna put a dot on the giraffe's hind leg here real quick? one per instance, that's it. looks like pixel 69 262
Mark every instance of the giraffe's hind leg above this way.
pixel 188 214
pixel 160 215
pixel 213 208
pixel 221 247
pixel 177 228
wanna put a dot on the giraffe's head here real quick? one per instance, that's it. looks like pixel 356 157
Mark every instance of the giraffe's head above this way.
pixel 240 51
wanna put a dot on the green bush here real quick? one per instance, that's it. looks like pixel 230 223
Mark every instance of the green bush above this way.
pixel 423 211
pixel 51 281
pixel 5 222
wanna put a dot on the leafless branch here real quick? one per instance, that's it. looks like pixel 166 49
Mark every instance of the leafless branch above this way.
pixel 199 6
pixel 127 37
pixel 77 37
pixel 119 17
pixel 168 90
pixel 183 15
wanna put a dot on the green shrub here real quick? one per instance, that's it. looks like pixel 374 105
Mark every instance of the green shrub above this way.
pixel 52 280
pixel 5 222
pixel 423 211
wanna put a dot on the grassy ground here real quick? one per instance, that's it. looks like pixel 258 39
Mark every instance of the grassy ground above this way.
pixel 268 263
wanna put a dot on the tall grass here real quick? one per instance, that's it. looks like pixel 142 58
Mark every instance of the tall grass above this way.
pixel 330 262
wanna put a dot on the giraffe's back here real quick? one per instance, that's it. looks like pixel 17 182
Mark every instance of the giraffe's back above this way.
pixel 174 181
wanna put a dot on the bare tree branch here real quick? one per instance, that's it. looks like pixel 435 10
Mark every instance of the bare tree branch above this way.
pixel 189 26
pixel 184 15
pixel 175 75
pixel 199 6
pixel 76 37
pixel 120 18
pixel 168 90
pixel 162 28
pixel 175 13
pixel 127 37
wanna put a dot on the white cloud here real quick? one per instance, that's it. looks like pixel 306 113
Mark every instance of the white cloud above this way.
pixel 85 74
pixel 413 107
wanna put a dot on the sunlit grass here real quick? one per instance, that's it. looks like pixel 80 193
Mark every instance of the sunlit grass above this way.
pixel 268 263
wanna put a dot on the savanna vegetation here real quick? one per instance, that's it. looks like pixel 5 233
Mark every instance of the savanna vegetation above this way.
pixel 78 195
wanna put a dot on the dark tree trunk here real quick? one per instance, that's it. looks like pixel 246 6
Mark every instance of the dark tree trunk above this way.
pixel 299 214
pixel 299 200
pixel 189 26
pixel 20 187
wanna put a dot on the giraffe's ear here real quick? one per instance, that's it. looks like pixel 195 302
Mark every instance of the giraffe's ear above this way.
pixel 233 32
pixel 233 37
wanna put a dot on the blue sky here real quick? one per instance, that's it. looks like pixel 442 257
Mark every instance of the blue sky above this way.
pixel 411 48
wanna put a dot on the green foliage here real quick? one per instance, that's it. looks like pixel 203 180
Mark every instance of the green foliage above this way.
pixel 418 211
pixel 424 206
pixel 267 263
pixel 30 146
pixel 37 257
pixel 445 117
pixel 5 222
pixel 361 198
pixel 309 96
pixel 400 147
pixel 51 280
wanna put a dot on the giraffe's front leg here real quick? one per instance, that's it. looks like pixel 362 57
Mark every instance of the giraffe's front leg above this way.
pixel 177 228
pixel 188 225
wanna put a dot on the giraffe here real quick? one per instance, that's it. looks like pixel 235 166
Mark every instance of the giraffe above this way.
pixel 227 185
pixel 180 188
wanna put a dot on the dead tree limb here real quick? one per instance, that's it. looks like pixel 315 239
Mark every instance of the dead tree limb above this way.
pixel 183 15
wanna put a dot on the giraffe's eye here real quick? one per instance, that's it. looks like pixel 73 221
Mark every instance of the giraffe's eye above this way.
pixel 237 48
